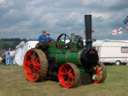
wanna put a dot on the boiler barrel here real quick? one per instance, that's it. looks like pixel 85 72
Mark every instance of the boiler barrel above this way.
pixel 87 58
pixel 69 56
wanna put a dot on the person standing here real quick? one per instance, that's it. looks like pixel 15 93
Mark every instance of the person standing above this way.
pixel 7 57
pixel 12 55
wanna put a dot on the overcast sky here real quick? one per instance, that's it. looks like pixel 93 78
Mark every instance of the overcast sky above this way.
pixel 27 18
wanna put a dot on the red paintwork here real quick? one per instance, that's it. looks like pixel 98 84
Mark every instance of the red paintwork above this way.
pixel 32 66
pixel 66 76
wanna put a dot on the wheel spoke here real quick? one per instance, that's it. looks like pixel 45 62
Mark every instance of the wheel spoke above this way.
pixel 71 75
pixel 64 69
pixel 63 74
pixel 29 53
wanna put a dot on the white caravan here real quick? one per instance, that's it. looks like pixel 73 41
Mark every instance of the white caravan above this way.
pixel 111 51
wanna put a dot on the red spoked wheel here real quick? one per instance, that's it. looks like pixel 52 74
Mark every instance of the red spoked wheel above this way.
pixel 35 65
pixel 100 73
pixel 68 75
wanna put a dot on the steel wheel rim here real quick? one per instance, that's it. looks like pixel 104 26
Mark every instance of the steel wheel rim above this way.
pixel 67 76
pixel 32 66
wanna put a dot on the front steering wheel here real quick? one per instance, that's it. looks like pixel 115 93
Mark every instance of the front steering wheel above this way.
pixel 62 41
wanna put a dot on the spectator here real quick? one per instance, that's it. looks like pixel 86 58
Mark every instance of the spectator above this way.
pixel 7 57
pixel 12 55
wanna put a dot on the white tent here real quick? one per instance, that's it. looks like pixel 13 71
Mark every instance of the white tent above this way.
pixel 21 49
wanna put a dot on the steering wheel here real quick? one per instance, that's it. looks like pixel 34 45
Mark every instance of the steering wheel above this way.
pixel 62 41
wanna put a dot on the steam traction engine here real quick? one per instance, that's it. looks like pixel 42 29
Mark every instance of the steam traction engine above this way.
pixel 66 59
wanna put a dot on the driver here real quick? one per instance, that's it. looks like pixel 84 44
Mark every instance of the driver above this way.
pixel 44 40
pixel 45 37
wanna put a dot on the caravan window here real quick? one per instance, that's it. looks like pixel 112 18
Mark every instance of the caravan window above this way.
pixel 124 49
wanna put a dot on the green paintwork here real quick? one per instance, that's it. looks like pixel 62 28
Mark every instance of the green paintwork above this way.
pixel 64 55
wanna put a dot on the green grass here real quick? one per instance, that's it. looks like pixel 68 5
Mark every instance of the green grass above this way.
pixel 12 83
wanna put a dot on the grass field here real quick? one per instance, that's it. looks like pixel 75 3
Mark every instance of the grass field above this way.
pixel 12 83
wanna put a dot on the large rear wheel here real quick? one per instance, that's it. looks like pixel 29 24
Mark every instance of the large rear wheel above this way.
pixel 35 65
pixel 68 75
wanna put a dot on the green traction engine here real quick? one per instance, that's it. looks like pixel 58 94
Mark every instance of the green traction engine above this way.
pixel 66 60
